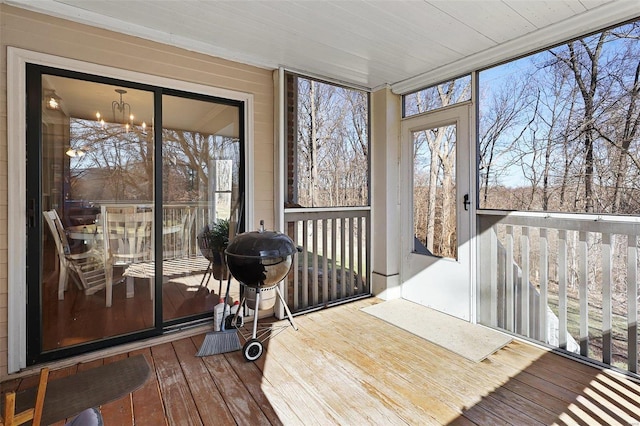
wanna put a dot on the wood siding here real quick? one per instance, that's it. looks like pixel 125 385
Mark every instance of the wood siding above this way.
pixel 36 32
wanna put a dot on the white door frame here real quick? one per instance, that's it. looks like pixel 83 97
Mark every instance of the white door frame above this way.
pixel 443 284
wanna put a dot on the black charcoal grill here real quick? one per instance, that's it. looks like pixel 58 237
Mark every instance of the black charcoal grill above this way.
pixel 259 260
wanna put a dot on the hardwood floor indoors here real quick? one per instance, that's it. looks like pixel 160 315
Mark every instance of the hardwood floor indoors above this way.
pixel 80 318
pixel 346 367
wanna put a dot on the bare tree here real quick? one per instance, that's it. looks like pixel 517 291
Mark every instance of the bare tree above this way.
pixel 332 145
pixel 499 117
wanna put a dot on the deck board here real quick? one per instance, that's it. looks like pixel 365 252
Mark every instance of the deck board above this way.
pixel 275 406
pixel 118 412
pixel 346 367
pixel 376 375
pixel 241 404
pixel 348 397
pixel 206 394
pixel 147 401
pixel 178 400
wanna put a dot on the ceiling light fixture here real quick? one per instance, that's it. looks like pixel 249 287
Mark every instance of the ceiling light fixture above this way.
pixel 121 112
pixel 52 100
pixel 124 110
pixel 75 152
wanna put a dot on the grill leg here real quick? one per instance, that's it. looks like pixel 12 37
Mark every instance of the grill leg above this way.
pixel 286 309
pixel 255 314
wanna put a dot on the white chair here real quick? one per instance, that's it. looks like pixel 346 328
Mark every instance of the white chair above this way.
pixel 128 240
pixel 91 270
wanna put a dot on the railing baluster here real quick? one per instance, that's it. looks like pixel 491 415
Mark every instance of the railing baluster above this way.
pixel 351 222
pixel 314 263
pixel 334 259
pixel 632 303
pixel 343 283
pixel 296 269
pixel 606 299
pixel 364 274
pixel 360 230
pixel 584 299
pixel 562 289
pixel 544 284
pixel 510 284
pixel 305 264
pixel 496 315
pixel 525 301
pixel 325 255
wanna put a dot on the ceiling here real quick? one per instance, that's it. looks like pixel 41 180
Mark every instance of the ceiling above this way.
pixel 405 44
pixel 82 99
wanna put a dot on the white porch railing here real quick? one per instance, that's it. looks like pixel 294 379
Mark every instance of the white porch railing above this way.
pixel 562 278
pixel 334 263
pixel 188 219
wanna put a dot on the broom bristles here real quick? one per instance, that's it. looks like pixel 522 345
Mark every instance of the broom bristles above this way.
pixel 219 342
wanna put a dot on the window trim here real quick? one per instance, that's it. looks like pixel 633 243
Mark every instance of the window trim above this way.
pixel 17 207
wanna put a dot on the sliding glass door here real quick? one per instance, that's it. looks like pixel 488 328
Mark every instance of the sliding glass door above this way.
pixel 201 181
pixel 122 177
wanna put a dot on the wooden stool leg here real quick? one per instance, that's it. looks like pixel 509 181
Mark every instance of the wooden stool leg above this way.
pixel 42 389
pixel 9 408
pixel 35 413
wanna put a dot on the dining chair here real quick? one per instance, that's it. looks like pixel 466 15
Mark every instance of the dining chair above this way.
pixel 90 271
pixel 128 240
pixel 11 418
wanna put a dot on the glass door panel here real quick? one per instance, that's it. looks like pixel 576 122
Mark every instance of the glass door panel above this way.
pixel 434 192
pixel 97 164
pixel 201 157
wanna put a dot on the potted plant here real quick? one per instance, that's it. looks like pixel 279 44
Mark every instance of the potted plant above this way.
pixel 213 240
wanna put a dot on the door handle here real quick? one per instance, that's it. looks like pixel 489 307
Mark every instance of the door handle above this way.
pixel 466 201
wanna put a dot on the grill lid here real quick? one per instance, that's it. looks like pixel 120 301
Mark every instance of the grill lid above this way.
pixel 261 245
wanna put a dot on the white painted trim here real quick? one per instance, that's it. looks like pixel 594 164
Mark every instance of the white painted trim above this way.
pixel 16 212
pixel 473 194
pixel 279 166
pixel 249 170
pixel 325 79
pixel 601 17
pixel 16 137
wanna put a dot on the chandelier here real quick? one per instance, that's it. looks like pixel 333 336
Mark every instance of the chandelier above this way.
pixel 121 111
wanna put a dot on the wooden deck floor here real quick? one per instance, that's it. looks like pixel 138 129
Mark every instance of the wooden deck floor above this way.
pixel 346 367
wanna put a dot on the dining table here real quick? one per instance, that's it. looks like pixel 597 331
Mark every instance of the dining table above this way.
pixel 92 236
pixel 87 233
